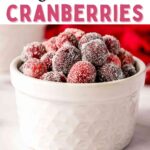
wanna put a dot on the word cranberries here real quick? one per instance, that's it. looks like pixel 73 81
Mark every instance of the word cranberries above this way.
pixel 74 56
pixel 82 72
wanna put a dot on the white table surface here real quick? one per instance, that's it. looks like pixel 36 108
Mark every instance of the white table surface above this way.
pixel 9 135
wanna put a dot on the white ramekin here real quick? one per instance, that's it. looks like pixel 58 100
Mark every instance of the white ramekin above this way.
pixel 64 116
pixel 13 38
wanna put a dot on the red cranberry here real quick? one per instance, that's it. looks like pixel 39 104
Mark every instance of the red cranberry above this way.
pixel 47 59
pixel 51 44
pixel 53 76
pixel 64 58
pixel 82 72
pixel 66 38
pixel 109 72
pixel 113 59
pixel 125 57
pixel 128 70
pixel 76 32
pixel 95 52
pixel 34 68
pixel 112 44
pixel 88 37
pixel 33 50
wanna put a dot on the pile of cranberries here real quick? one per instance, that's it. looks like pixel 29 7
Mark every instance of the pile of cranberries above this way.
pixel 77 57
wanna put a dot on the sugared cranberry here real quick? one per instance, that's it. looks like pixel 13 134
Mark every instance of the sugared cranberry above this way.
pixel 33 67
pixel 112 44
pixel 111 58
pixel 125 57
pixel 109 72
pixel 64 58
pixel 66 38
pixel 53 76
pixel 88 37
pixel 51 44
pixel 47 59
pixel 121 53
pixel 98 59
pixel 76 32
pixel 82 72
pixel 33 50
pixel 128 70
pixel 95 52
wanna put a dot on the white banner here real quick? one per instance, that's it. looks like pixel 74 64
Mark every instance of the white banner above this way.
pixel 74 12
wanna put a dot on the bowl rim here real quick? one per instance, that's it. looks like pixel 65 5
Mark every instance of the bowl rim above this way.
pixel 14 69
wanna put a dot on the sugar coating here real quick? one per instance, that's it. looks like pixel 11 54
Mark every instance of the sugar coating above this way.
pixel 95 52
pixel 109 72
pixel 128 70
pixel 98 59
pixel 51 44
pixel 64 58
pixel 53 76
pixel 76 32
pixel 125 57
pixel 33 50
pixel 47 59
pixel 121 53
pixel 112 44
pixel 88 37
pixel 33 67
pixel 111 58
pixel 82 72
pixel 66 38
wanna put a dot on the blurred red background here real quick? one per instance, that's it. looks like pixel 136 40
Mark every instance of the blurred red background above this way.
pixel 134 38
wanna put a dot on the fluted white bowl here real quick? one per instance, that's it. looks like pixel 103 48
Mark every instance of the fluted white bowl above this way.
pixel 64 116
